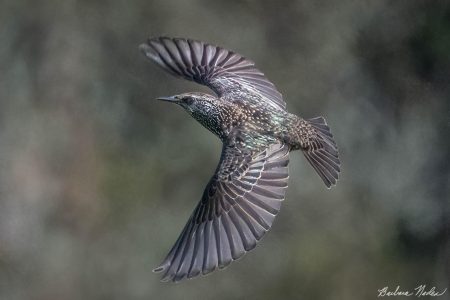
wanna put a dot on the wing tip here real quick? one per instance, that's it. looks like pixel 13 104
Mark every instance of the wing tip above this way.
pixel 159 269
pixel 332 184
pixel 144 47
pixel 148 51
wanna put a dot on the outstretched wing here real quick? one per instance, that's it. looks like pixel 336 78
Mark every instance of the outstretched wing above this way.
pixel 238 207
pixel 228 74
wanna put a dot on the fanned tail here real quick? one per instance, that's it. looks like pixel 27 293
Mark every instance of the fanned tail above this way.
pixel 321 150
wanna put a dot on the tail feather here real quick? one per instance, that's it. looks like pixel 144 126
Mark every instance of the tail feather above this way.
pixel 321 150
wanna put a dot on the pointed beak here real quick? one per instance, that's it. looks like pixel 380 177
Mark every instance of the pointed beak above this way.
pixel 168 99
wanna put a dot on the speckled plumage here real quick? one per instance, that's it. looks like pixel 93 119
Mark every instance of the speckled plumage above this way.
pixel 249 115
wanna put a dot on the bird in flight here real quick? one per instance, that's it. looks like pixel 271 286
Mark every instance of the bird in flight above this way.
pixel 248 114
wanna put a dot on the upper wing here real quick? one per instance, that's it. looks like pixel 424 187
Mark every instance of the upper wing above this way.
pixel 227 73
pixel 238 206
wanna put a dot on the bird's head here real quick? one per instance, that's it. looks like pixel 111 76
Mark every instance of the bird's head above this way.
pixel 194 103
pixel 206 109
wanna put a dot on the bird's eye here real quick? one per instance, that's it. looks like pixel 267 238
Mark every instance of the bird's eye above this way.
pixel 188 100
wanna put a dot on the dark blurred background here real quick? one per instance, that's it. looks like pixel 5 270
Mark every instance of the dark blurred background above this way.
pixel 97 178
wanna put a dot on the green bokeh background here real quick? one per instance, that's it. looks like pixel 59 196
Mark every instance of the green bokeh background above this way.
pixel 97 179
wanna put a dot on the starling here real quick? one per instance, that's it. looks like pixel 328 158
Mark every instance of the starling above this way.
pixel 248 114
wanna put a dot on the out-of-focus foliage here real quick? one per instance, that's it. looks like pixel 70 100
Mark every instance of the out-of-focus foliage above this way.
pixel 97 179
